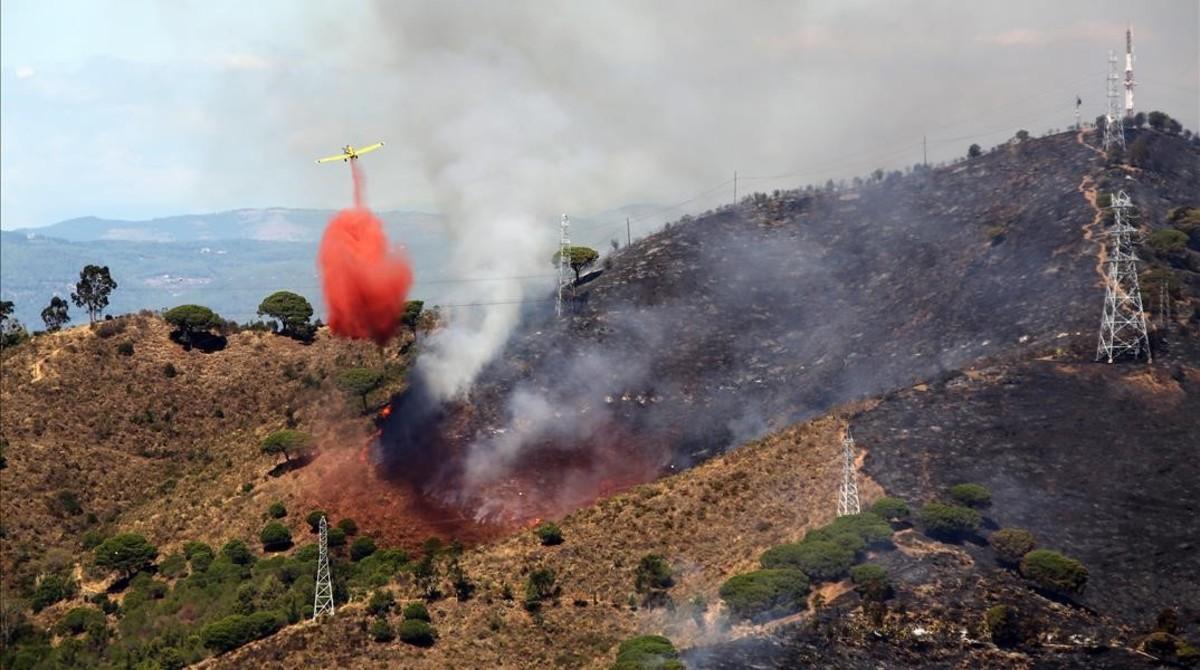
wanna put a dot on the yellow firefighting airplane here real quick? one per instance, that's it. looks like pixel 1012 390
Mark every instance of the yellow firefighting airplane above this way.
pixel 349 153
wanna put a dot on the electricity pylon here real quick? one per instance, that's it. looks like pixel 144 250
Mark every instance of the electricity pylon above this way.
pixel 323 598
pixel 848 491
pixel 1114 128
pixel 564 262
pixel 1123 325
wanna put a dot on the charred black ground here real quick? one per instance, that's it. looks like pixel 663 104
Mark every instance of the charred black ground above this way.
pixel 722 328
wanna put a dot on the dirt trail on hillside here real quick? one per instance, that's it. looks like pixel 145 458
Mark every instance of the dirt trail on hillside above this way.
pixel 1079 138
pixel 36 371
pixel 1092 232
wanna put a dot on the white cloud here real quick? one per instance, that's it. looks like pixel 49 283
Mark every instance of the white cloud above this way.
pixel 25 72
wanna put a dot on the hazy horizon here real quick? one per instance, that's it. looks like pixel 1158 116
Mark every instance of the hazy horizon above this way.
pixel 195 108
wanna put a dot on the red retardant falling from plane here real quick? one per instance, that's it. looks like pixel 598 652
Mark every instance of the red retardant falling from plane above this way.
pixel 365 282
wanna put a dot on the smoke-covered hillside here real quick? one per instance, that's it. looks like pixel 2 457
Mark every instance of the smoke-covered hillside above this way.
pixel 723 327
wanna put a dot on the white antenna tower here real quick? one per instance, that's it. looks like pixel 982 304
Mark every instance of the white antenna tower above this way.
pixel 1114 129
pixel 1123 326
pixel 564 262
pixel 323 598
pixel 848 491
pixel 1129 83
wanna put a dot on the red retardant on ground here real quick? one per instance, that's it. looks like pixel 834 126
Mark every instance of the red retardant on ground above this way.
pixel 366 283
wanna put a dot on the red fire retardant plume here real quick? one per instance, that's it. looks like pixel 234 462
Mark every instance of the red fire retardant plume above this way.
pixel 366 282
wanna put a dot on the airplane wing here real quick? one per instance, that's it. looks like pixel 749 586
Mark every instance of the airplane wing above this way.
pixel 371 147
pixel 330 159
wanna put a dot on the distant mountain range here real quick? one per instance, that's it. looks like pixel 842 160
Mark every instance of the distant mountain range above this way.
pixel 230 260
pixel 276 224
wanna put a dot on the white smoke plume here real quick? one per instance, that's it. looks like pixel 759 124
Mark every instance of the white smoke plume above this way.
pixel 521 113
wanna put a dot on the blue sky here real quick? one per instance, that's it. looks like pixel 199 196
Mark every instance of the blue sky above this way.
pixel 139 109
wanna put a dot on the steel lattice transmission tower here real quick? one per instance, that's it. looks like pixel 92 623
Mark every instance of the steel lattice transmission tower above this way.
pixel 1123 326
pixel 848 491
pixel 564 261
pixel 1114 128
pixel 323 598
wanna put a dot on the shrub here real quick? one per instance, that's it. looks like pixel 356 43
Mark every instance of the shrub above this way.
pixel 416 611
pixel 237 552
pixel 78 620
pixel 653 573
pixel 540 585
pixel 275 537
pixel 348 526
pixel 765 593
pixel 869 526
pixel 821 560
pixel 871 581
pixel 126 553
pixel 169 371
pixel 200 555
pixel 381 603
pixel 971 495
pixel 276 510
pixel 949 522
pixel 549 533
pixel 1052 571
pixel 1004 624
pixel 974 151
pixel 111 328
pixel 69 502
pixel 1159 120
pixel 846 539
pixel 1167 621
pixel 314 520
pixel 647 651
pixel 1167 240
pixel 125 348
pixel 361 548
pixel 381 631
pixel 171 659
pixel 1160 644
pixel 1011 544
pixel 891 509
pixel 173 566
pixel 51 589
pixel 336 537
pixel 417 633
pixel 235 630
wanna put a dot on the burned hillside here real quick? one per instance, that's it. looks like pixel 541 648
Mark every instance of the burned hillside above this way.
pixel 1098 460
pixel 721 328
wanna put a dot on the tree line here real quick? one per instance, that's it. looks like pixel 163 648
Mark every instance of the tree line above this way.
pixel 287 313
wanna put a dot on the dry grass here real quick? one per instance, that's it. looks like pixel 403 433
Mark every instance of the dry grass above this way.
pixel 141 450
pixel 710 522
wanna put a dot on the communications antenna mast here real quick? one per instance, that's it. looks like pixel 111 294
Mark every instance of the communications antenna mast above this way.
pixel 564 262
pixel 1114 129
pixel 1123 325
pixel 848 491
pixel 1129 82
pixel 323 598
